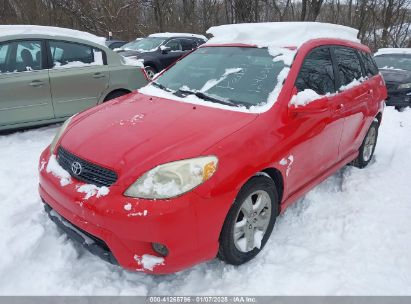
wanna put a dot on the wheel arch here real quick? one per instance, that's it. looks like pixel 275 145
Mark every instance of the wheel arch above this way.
pixel 278 179
pixel 122 90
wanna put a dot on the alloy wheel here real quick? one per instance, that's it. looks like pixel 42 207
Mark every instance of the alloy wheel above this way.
pixel 252 221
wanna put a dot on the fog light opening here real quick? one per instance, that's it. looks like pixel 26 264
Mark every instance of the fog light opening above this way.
pixel 160 249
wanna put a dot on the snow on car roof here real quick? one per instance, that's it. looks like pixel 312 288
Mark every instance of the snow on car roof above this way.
pixel 279 33
pixel 8 30
pixel 170 35
pixel 386 51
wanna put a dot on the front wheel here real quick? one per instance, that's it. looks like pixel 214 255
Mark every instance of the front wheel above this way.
pixel 367 148
pixel 250 221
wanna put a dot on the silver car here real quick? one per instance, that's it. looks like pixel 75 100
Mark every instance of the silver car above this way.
pixel 48 74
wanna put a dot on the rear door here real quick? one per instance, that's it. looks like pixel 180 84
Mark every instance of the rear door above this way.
pixel 354 95
pixel 24 82
pixel 79 75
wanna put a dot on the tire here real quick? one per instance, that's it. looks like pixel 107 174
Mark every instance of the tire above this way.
pixel 367 148
pixel 115 94
pixel 150 72
pixel 233 248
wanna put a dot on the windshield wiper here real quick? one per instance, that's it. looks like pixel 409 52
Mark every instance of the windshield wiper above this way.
pixel 207 97
pixel 160 86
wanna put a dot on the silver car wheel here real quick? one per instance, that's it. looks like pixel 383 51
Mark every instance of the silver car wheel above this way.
pixel 252 221
pixel 369 144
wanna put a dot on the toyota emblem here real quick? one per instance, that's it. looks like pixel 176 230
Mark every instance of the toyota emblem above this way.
pixel 76 168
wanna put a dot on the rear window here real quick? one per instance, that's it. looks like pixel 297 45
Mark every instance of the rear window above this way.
pixel 68 54
pixel 348 65
pixel 394 61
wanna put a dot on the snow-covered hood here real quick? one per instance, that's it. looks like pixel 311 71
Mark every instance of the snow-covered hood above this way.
pixel 396 76
pixel 141 130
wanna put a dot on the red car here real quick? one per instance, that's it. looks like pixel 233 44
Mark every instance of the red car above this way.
pixel 199 163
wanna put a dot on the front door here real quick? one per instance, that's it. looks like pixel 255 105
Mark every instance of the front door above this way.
pixel 24 83
pixel 78 77
pixel 316 136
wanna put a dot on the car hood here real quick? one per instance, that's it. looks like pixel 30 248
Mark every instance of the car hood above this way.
pixel 147 131
pixel 396 76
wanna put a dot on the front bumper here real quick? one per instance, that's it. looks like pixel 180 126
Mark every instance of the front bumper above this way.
pixel 127 234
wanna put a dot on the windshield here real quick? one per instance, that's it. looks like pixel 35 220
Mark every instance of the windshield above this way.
pixel 239 76
pixel 394 61
pixel 144 45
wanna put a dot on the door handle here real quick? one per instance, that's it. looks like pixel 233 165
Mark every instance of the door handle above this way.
pixel 98 75
pixel 36 83
pixel 339 107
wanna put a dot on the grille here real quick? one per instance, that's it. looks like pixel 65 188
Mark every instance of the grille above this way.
pixel 89 173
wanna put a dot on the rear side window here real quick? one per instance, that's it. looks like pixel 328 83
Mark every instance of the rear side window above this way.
pixel 317 72
pixel 188 44
pixel 348 64
pixel 370 66
pixel 68 54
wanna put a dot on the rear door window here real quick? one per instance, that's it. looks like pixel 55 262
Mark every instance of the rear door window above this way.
pixel 21 56
pixel 68 54
pixel 317 72
pixel 370 66
pixel 348 65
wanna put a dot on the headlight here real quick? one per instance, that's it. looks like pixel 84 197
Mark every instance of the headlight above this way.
pixel 173 179
pixel 59 133
pixel 404 86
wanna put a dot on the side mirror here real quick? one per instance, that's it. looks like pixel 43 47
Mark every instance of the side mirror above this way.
pixel 164 49
pixel 313 106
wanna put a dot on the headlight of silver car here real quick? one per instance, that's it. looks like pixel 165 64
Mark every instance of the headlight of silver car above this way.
pixel 59 133
pixel 404 86
pixel 173 179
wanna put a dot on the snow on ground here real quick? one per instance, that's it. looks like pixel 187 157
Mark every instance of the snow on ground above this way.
pixel 350 235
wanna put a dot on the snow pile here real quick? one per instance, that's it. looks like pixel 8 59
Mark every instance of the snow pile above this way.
pixel 133 61
pixel 170 35
pixel 307 96
pixel 54 168
pixel 149 186
pixel 284 34
pixel 213 82
pixel 352 84
pixel 387 51
pixel 8 30
pixel 348 236
pixel 391 68
pixel 148 261
pixel 92 190
pixel 304 97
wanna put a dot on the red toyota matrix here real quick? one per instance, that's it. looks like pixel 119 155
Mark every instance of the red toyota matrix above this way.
pixel 199 163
